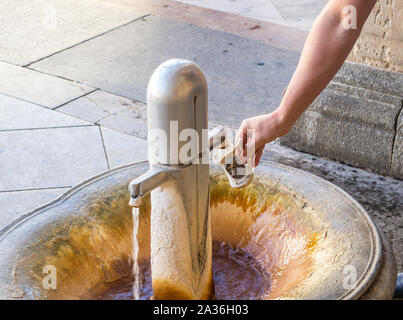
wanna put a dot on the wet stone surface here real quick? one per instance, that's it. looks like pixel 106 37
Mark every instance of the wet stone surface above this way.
pixel 381 196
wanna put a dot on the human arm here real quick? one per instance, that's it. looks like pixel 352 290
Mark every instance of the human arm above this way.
pixel 326 48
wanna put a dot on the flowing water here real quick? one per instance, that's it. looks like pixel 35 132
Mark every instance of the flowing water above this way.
pixel 136 269
pixel 236 275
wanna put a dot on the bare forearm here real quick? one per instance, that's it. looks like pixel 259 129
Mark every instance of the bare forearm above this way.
pixel 326 48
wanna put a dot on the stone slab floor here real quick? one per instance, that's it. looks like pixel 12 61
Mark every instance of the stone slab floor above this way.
pixel 73 78
pixel 297 14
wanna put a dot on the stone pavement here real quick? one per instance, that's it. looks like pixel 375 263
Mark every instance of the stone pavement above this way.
pixel 73 78
pixel 297 14
pixel 235 67
pixel 44 152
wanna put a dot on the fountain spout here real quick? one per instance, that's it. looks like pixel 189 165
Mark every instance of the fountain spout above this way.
pixel 178 181
pixel 147 182
pixel 157 174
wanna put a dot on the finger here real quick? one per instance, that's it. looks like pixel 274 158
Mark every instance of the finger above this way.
pixel 258 155
pixel 240 140
pixel 240 137
pixel 251 146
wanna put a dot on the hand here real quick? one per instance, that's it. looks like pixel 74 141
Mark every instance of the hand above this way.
pixel 255 132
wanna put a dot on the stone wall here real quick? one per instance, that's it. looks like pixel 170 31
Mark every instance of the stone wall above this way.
pixel 381 41
pixel 357 119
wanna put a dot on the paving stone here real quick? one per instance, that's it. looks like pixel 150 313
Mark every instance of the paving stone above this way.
pixel 44 158
pixel 300 14
pixel 18 114
pixel 39 88
pixel 100 104
pixel 245 77
pixel 258 9
pixel 15 204
pixel 33 29
pixel 131 126
pixel 122 148
pixel 112 111
pixel 251 28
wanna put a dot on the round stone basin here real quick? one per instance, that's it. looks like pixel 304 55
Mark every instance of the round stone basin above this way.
pixel 290 233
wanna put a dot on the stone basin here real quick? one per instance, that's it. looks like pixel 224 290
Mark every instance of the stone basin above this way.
pixel 309 238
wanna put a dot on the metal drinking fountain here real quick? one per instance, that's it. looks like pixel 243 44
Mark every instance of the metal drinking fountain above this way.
pixel 178 180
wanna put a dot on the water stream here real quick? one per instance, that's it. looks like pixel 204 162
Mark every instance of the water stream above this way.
pixel 136 270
